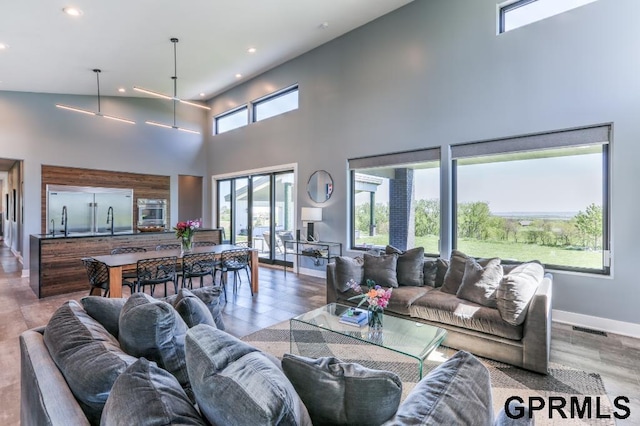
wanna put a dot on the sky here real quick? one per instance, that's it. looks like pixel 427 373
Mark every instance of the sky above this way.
pixel 560 184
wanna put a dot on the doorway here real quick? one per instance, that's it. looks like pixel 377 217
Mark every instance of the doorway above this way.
pixel 258 211
pixel 11 185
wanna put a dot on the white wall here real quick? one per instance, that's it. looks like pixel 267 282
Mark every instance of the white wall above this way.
pixel 34 130
pixel 434 73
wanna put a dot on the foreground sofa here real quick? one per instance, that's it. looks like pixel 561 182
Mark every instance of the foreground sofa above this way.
pixel 420 293
pixel 231 381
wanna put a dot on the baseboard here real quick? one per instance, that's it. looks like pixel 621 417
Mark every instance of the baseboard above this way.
pixel 596 323
pixel 313 272
pixel 25 273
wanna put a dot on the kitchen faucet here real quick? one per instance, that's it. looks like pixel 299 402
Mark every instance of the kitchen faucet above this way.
pixel 64 220
pixel 110 218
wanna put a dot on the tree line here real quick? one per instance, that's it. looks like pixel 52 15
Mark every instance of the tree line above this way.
pixel 475 221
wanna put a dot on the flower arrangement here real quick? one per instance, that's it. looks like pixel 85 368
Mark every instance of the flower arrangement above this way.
pixel 376 297
pixel 185 230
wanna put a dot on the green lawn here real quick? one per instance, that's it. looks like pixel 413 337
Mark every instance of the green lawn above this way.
pixel 507 250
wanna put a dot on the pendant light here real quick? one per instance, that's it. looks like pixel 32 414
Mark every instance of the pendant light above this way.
pixel 174 78
pixel 174 98
pixel 98 113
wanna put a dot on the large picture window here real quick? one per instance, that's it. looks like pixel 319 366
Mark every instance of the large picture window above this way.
pixel 396 201
pixel 542 197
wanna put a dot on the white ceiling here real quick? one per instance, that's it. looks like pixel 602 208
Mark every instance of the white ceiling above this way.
pixel 52 52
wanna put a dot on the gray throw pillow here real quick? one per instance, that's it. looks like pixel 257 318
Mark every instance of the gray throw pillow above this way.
pixel 152 329
pixel 87 355
pixel 341 393
pixel 409 269
pixel 434 272
pixel 457 391
pixel 210 296
pixel 235 384
pixel 192 310
pixel 381 269
pixel 516 290
pixel 348 268
pixel 105 310
pixel 455 272
pixel 479 284
pixel 148 395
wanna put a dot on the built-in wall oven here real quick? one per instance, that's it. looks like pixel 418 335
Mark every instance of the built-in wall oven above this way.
pixel 152 212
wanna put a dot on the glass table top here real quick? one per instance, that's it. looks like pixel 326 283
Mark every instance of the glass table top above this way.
pixel 402 335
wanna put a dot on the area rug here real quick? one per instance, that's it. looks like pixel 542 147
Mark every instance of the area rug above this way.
pixel 507 381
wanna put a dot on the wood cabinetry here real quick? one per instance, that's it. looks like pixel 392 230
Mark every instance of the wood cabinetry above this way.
pixel 55 266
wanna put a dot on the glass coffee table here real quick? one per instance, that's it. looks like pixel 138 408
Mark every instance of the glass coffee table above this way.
pixel 402 344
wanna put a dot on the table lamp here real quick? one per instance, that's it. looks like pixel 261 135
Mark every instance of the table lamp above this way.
pixel 311 215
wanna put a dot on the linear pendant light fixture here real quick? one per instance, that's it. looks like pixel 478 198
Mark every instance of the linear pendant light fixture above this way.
pixel 98 113
pixel 174 98
pixel 175 78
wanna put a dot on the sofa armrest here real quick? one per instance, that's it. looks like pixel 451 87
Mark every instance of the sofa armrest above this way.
pixel 45 398
pixel 332 295
pixel 536 338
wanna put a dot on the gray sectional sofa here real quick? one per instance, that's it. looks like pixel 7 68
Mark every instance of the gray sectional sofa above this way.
pixel 145 363
pixel 508 322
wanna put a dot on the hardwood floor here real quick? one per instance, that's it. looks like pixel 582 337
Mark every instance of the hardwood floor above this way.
pixel 615 358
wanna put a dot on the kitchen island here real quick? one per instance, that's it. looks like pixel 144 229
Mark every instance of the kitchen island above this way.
pixel 55 266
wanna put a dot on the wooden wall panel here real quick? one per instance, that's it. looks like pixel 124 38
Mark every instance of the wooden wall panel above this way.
pixel 144 186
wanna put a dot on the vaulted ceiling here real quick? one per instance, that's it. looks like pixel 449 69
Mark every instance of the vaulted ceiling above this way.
pixel 51 51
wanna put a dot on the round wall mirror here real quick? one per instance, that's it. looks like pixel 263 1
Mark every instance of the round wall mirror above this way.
pixel 320 186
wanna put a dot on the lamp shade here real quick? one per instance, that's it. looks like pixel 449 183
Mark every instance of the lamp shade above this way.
pixel 311 214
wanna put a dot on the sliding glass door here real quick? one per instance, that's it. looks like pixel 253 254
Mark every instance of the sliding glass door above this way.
pixel 258 211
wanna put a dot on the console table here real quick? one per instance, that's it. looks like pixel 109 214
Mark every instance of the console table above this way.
pixel 318 250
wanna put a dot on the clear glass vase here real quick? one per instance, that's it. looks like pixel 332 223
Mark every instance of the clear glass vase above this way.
pixel 186 243
pixel 376 316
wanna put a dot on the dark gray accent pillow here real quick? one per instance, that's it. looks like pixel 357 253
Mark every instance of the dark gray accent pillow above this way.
pixel 455 272
pixel 348 268
pixel 479 284
pixel 105 310
pixel 192 310
pixel 341 393
pixel 152 329
pixel 87 355
pixel 381 269
pixel 210 296
pixel 235 384
pixel 434 272
pixel 148 395
pixel 516 291
pixel 410 267
pixel 459 388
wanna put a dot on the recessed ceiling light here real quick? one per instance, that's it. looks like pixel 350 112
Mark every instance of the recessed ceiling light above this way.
pixel 72 11
pixel 4 46
pixel 202 95
pixel 122 90
pixel 238 75
pixel 251 50
pixel 324 25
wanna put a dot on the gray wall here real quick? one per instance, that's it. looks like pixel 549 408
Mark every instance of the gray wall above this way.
pixel 189 197
pixel 34 130
pixel 435 73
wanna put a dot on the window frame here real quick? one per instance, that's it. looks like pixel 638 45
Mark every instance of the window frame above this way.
pixel 227 114
pixel 270 97
pixel 509 6
pixel 391 160
pixel 606 191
